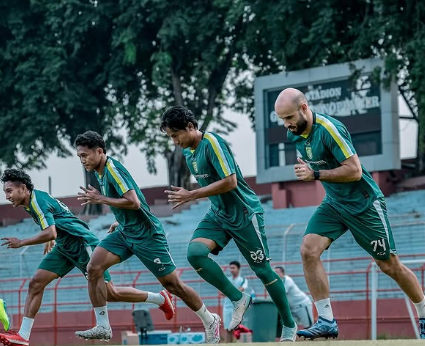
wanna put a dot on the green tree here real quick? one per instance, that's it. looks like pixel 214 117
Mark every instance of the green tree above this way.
pixel 66 67
pixel 332 31
pixel 396 32
pixel 53 80
pixel 177 53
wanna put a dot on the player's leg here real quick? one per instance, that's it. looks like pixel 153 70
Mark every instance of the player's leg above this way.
pixel 252 243
pixel 133 295
pixel 190 297
pixel 373 232
pixel 110 251
pixel 323 228
pixel 312 248
pixel 155 255
pixel 209 237
pixel 53 266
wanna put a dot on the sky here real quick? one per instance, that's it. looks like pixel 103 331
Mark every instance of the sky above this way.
pixel 67 173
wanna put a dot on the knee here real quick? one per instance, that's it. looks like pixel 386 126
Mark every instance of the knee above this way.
pixel 36 285
pixel 390 268
pixel 175 287
pixel 309 251
pixel 196 253
pixel 94 271
pixel 266 274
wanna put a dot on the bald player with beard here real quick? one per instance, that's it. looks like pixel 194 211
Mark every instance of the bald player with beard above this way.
pixel 353 202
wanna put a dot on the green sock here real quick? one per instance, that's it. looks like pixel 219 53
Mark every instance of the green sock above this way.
pixel 278 295
pixel 210 271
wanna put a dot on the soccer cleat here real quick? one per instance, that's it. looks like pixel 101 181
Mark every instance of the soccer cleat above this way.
pixel 212 333
pixel 12 338
pixel 239 308
pixel 4 317
pixel 321 329
pixel 288 334
pixel 167 307
pixel 96 333
pixel 422 328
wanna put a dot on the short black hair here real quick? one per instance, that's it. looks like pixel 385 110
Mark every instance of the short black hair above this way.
pixel 177 118
pixel 17 175
pixel 235 263
pixel 280 268
pixel 90 139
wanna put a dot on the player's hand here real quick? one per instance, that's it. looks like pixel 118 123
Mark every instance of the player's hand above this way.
pixel 48 246
pixel 178 196
pixel 113 227
pixel 303 171
pixel 12 243
pixel 90 195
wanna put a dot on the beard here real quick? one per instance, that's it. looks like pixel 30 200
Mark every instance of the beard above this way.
pixel 300 126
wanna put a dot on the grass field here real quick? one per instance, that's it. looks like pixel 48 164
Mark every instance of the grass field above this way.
pixel 404 342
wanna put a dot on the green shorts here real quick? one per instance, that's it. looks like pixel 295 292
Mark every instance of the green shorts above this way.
pixel 153 252
pixel 61 261
pixel 371 229
pixel 251 240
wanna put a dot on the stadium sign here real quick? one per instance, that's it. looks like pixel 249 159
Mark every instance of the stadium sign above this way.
pixel 369 111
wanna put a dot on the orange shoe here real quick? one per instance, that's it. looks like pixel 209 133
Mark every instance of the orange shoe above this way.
pixel 167 306
pixel 12 338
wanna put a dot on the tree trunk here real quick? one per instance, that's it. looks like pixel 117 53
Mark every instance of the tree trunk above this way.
pixel 178 172
pixel 92 209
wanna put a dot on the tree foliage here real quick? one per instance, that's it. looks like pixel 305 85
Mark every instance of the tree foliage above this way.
pixel 114 66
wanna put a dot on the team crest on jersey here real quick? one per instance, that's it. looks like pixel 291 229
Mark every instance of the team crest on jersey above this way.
pixel 195 166
pixel 309 151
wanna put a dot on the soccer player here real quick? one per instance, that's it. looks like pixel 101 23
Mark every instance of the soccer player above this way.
pixel 74 245
pixel 242 285
pixel 236 213
pixel 136 232
pixel 353 201
pixel 299 303
pixel 4 317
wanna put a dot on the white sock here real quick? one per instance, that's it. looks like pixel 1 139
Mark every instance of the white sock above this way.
pixel 324 309
pixel 102 318
pixel 26 327
pixel 206 316
pixel 155 298
pixel 420 308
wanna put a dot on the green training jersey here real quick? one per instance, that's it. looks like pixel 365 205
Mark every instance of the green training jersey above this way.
pixel 135 224
pixel 48 211
pixel 211 161
pixel 327 145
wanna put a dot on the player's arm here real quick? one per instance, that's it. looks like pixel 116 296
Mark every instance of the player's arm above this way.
pixel 179 195
pixel 128 200
pixel 44 236
pixel 219 156
pixel 349 171
pixel 338 141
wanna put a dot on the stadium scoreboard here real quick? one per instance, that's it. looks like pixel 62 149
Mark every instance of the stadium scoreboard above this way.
pixel 352 93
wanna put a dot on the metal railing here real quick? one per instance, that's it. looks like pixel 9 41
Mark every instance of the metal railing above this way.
pixel 369 293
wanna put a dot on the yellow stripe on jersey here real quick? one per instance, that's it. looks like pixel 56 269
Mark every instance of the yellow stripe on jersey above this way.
pixel 333 131
pixel 219 153
pixel 38 211
pixel 117 177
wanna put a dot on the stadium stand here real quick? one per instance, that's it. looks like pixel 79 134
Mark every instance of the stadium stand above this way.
pixel 284 229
